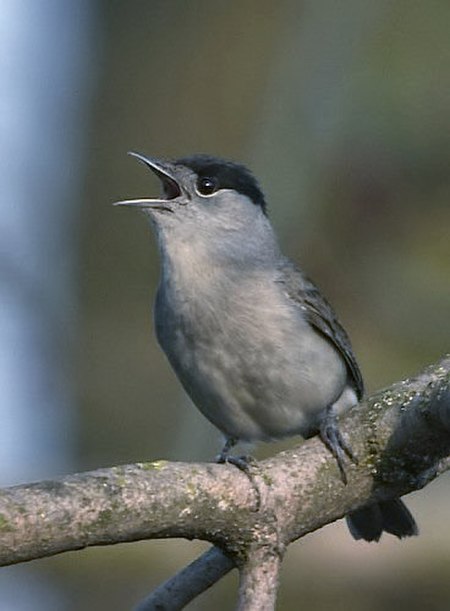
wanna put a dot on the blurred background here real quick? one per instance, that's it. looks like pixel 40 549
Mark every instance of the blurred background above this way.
pixel 342 110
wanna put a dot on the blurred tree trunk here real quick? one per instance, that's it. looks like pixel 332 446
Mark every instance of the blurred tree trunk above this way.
pixel 44 76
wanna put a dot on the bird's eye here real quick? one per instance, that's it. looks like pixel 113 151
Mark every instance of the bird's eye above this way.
pixel 207 185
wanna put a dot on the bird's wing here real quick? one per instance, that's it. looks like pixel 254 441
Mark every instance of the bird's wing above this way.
pixel 319 313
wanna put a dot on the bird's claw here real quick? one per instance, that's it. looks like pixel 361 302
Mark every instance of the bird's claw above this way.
pixel 243 463
pixel 332 438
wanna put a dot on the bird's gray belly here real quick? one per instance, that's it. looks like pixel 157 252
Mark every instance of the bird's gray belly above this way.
pixel 272 380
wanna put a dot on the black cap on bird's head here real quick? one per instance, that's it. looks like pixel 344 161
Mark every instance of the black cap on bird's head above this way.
pixel 225 175
pixel 212 175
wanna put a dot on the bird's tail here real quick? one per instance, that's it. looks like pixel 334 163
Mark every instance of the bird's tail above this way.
pixel 369 522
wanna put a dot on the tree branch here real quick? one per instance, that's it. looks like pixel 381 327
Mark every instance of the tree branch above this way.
pixel 401 436
pixel 258 583
pixel 177 592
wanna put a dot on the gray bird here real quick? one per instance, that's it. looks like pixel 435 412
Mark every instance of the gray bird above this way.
pixel 254 343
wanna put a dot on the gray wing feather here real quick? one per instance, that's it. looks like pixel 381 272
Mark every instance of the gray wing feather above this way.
pixel 319 313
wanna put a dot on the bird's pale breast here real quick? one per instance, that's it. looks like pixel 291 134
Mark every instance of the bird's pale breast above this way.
pixel 253 366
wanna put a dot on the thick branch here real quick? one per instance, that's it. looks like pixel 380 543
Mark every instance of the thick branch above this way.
pixel 258 583
pixel 126 503
pixel 401 436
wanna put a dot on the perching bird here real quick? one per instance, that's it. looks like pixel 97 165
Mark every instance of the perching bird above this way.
pixel 254 343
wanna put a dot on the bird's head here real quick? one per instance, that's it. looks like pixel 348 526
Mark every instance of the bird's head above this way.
pixel 208 201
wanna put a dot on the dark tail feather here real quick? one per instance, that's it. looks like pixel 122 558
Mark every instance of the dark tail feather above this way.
pixel 397 519
pixel 394 517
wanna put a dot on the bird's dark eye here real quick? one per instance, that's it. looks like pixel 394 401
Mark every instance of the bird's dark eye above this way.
pixel 207 185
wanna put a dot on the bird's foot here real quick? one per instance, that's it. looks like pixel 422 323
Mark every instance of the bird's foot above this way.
pixel 224 455
pixel 332 438
pixel 243 463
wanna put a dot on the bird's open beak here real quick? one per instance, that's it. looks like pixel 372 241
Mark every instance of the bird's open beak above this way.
pixel 164 172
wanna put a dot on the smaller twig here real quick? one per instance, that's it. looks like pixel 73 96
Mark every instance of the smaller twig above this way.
pixel 258 581
pixel 179 590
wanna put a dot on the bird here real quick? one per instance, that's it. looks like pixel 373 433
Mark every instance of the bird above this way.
pixel 253 341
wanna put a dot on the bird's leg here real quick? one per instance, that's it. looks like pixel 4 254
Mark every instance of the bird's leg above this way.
pixel 241 462
pixel 332 438
pixel 224 453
